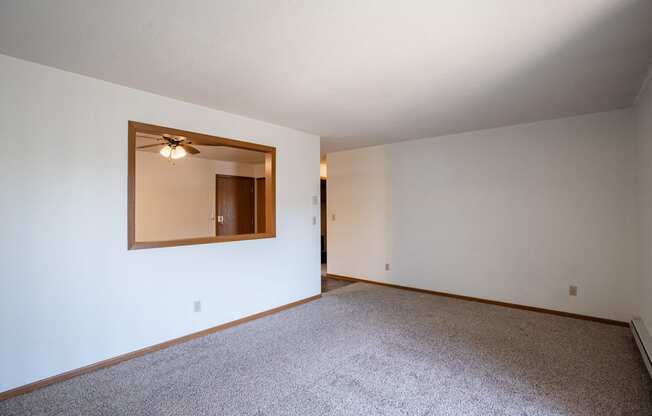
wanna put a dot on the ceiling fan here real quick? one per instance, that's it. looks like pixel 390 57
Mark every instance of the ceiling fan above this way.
pixel 174 147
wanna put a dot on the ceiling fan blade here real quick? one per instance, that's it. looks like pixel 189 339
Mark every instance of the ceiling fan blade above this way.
pixel 149 136
pixel 190 149
pixel 198 141
pixel 149 145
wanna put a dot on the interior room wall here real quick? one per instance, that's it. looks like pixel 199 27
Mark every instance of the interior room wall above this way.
pixel 643 111
pixel 71 294
pixel 177 200
pixel 514 214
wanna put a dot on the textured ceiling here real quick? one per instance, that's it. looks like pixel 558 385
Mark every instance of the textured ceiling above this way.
pixel 357 73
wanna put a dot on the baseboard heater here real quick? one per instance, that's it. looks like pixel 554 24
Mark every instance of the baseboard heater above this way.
pixel 643 341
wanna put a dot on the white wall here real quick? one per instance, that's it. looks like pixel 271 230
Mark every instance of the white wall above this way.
pixel 643 111
pixel 514 214
pixel 178 201
pixel 70 292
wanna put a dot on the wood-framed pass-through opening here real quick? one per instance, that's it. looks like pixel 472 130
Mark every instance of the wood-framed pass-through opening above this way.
pixel 192 188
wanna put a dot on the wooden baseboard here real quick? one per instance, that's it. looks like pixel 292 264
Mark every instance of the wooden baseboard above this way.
pixel 487 301
pixel 121 358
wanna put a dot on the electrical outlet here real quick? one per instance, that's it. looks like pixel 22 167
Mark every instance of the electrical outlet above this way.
pixel 386 266
pixel 333 217
pixel 314 220
pixel 197 306
pixel 572 290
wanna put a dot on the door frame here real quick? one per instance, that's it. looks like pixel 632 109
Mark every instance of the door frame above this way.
pixel 260 222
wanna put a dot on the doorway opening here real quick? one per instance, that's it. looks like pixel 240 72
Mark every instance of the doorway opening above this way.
pixel 324 255
pixel 325 281
pixel 328 282
pixel 239 204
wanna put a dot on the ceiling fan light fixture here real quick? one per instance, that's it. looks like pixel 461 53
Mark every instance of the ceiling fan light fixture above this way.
pixel 176 152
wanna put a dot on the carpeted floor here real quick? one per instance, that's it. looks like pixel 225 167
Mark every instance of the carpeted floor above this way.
pixel 370 350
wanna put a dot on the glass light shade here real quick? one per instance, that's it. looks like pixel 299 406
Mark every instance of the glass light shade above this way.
pixel 165 151
pixel 178 152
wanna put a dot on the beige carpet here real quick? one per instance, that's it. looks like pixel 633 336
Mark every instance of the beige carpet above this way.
pixel 370 350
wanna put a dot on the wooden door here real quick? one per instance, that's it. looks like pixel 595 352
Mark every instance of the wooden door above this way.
pixel 234 205
pixel 260 205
